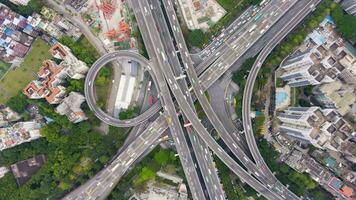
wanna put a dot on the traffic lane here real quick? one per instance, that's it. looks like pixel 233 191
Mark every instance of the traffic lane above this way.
pixel 194 80
pixel 207 137
pixel 262 57
pixel 208 171
pixel 145 140
pixel 89 90
pixel 252 77
pixel 217 68
pixel 209 111
pixel 222 49
pixel 185 157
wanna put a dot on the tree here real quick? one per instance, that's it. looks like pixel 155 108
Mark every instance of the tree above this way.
pixel 18 103
pixel 162 157
pixel 196 38
pixel 146 174
pixel 75 85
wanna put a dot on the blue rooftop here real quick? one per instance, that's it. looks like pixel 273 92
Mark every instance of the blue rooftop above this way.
pixel 336 183
pixel 28 27
pixel 8 31
pixel 317 38
pixel 330 162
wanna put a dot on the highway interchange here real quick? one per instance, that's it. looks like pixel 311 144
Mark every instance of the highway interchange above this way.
pixel 164 70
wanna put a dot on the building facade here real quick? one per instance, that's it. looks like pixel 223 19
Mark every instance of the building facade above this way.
pixel 70 107
pixel 323 128
pixel 323 58
pixel 51 76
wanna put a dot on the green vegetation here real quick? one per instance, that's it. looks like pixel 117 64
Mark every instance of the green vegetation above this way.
pixel 74 153
pixel 294 96
pixel 258 123
pixel 129 113
pixel 345 23
pixel 280 82
pixel 239 77
pixel 82 49
pixel 196 38
pixel 31 7
pixel 3 68
pixel 199 109
pixel 16 80
pixel 298 183
pixel 102 85
pixel 136 179
pixel 233 188
pixel 304 103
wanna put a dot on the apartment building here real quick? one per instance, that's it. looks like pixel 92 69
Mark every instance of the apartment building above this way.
pixel 323 128
pixel 322 58
pixel 51 76
pixel 70 107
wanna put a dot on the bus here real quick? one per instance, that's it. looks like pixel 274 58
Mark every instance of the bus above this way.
pixel 252 28
pixel 151 100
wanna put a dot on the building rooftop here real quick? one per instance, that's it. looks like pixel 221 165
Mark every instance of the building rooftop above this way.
pixel 23 170
pixel 70 107
pixel 19 133
pixel 347 191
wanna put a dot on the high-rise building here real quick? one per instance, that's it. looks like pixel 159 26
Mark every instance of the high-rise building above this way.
pixel 322 58
pixel 325 129
pixel 349 6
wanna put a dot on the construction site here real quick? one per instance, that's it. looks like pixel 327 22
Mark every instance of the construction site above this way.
pixel 111 21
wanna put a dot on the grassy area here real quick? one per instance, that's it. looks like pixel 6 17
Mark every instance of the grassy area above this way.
pixel 102 86
pixel 16 80
pixel 3 68
pixel 294 96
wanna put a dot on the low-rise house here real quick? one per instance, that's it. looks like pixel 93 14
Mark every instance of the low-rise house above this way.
pixel 51 76
pixel 23 170
pixel 54 24
pixel 325 178
pixel 70 107
pixel 74 68
pixel 16 35
pixel 7 115
pixel 48 84
pixel 19 133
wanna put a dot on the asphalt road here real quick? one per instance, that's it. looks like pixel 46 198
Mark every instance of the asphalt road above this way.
pixel 90 95
pixel 218 125
pixel 211 142
pixel 246 105
pixel 202 154
pixel 189 112
pixel 144 17
pixel 100 186
pixel 238 45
